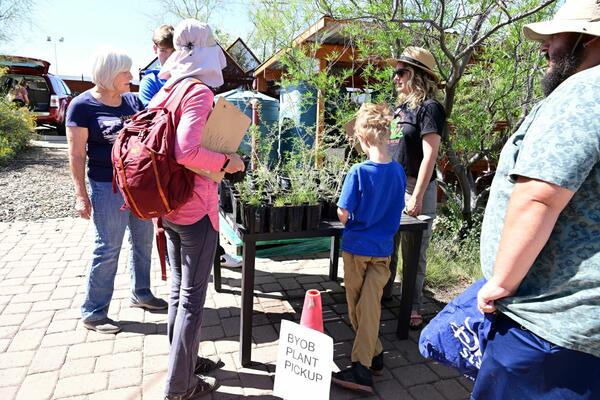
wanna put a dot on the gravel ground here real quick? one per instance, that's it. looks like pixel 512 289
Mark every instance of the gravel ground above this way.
pixel 36 185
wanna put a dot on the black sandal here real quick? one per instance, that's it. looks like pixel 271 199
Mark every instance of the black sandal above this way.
pixel 207 364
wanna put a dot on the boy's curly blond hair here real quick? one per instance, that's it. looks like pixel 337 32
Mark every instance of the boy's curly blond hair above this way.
pixel 373 123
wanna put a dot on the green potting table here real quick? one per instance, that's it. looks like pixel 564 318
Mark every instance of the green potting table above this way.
pixel 331 229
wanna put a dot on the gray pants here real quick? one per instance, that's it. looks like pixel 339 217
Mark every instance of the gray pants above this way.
pixel 191 251
pixel 400 240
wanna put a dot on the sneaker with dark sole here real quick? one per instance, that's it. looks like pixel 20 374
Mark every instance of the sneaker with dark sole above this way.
pixel 104 325
pixel 377 364
pixel 154 303
pixel 357 377
pixel 206 364
pixel 205 385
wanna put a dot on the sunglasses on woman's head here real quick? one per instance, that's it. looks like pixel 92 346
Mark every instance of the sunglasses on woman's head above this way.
pixel 400 72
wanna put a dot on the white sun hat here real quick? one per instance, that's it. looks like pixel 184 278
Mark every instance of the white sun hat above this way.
pixel 197 55
pixel 579 16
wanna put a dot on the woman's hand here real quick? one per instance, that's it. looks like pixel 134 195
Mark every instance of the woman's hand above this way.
pixel 414 205
pixel 235 163
pixel 83 206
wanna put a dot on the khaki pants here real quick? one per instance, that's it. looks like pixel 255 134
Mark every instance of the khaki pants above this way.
pixel 365 278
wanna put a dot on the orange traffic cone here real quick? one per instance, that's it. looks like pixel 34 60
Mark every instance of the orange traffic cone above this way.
pixel 312 313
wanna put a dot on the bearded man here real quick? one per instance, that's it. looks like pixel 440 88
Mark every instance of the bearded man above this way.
pixel 540 240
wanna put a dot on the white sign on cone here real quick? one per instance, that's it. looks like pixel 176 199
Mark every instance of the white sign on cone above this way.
pixel 304 361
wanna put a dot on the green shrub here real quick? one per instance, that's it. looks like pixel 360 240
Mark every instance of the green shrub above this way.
pixel 453 254
pixel 17 126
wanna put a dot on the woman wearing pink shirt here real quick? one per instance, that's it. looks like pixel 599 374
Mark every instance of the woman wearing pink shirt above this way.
pixel 192 229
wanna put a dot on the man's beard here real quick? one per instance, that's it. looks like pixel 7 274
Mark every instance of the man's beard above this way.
pixel 565 65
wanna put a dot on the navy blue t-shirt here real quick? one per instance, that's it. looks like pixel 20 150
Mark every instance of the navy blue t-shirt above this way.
pixel 103 123
pixel 373 194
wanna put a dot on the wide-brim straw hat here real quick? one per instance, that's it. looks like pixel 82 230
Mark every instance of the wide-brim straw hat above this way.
pixel 578 16
pixel 417 57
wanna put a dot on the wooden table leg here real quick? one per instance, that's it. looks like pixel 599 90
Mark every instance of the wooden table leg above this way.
pixel 410 263
pixel 249 254
pixel 217 272
pixel 334 255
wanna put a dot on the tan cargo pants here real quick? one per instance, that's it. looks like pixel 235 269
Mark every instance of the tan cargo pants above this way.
pixel 365 278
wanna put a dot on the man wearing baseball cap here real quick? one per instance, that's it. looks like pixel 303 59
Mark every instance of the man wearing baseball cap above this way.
pixel 540 239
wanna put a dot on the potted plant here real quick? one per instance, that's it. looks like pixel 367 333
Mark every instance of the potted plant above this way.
pixel 277 215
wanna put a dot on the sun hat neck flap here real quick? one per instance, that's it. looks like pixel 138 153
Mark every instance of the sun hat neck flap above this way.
pixel 197 55
pixel 578 16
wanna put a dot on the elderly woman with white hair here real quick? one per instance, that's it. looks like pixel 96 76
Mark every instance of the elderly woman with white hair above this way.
pixel 93 120
pixel 193 228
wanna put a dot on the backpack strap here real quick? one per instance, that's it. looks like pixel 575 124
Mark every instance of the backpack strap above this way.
pixel 177 92
pixel 161 245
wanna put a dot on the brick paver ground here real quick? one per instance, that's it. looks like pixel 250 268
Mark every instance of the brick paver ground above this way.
pixel 45 353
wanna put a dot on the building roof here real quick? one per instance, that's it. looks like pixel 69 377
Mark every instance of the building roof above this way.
pixel 246 95
pixel 327 31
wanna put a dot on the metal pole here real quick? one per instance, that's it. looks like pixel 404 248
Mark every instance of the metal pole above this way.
pixel 55 59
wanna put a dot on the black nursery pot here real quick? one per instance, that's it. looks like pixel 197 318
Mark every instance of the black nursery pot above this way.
pixel 294 218
pixel 255 218
pixel 225 197
pixel 312 216
pixel 328 210
pixel 285 183
pixel 277 217
pixel 333 211
pixel 236 208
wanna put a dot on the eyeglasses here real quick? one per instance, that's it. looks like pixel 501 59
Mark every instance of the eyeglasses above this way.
pixel 400 72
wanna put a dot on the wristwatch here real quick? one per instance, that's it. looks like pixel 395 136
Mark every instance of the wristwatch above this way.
pixel 226 163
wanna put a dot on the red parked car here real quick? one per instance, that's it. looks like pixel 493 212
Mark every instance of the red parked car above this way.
pixel 48 95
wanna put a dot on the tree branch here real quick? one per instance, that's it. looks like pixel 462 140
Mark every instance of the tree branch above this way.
pixel 509 21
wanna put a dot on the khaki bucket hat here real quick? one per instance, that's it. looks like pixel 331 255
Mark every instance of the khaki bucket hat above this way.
pixel 417 57
pixel 579 16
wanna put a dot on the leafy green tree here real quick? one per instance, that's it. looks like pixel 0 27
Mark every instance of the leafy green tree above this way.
pixel 202 10
pixel 488 71
pixel 13 14
pixel 277 22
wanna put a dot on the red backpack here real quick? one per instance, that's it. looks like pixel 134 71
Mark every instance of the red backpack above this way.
pixel 144 167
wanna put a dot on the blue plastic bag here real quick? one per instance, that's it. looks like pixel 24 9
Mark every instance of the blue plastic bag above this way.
pixel 457 336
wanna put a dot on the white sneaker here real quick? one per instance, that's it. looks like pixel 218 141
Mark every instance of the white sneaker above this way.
pixel 231 261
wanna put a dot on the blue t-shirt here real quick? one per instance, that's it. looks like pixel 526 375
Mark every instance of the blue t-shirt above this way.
pixel 149 86
pixel 558 143
pixel 103 123
pixel 373 194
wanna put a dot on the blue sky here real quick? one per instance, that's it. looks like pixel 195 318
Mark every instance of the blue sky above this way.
pixel 87 24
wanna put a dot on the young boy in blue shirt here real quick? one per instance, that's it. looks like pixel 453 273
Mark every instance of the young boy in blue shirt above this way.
pixel 370 207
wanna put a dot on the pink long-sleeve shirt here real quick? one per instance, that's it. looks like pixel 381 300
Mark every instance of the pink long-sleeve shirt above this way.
pixel 193 114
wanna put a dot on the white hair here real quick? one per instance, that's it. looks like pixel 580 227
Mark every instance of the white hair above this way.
pixel 108 63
